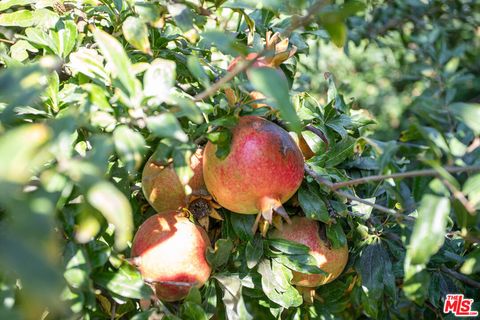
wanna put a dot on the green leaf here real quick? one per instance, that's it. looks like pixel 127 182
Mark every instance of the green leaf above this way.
pixel 166 125
pixel 467 113
pixel 7 4
pixel 130 146
pixel 336 235
pixel 126 282
pixel 471 188
pixel 338 32
pixel 472 263
pixel 38 275
pixel 313 205
pixel 275 87
pixel 429 231
pixel 224 41
pixel 188 108
pixel 196 68
pixel 115 207
pixel 136 33
pixel 242 224
pixel 288 247
pixel 304 263
pixel 18 51
pixel 192 311
pixel 253 252
pixel 232 298
pixel 219 256
pixel 118 60
pixel 416 283
pixel 22 152
pixel 89 63
pixel 159 80
pixel 276 284
pixel 25 18
pixel 65 38
pixel 20 86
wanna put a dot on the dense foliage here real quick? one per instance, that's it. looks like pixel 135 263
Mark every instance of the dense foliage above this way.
pixel 91 89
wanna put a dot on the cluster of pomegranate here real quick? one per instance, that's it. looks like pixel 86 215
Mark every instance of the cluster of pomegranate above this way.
pixel 264 169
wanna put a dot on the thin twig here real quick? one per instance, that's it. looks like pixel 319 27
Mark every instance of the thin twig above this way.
pixel 297 23
pixel 461 277
pixel 409 174
pixel 457 194
pixel 7 41
pixel 351 197
pixel 113 310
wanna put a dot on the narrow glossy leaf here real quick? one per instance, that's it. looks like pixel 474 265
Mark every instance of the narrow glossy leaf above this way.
pixel 371 268
pixel 416 283
pixel 196 68
pixel 130 146
pixel 242 225
pixel 7 4
pixel 166 125
pixel 338 33
pixel 471 188
pixel 336 235
pixel 220 255
pixel 275 87
pixel 429 231
pixel 136 33
pixel 118 61
pixel 65 38
pixel 312 205
pixel 181 164
pixel 232 296
pixel 288 247
pixel 472 263
pixel 275 284
pixel 126 282
pixel 188 108
pixel 253 252
pixel 90 63
pixel 115 207
pixel 192 311
pixel 159 80
pixel 467 113
pixel 224 41
pixel 26 18
pixel 22 152
pixel 304 263
pixel 20 86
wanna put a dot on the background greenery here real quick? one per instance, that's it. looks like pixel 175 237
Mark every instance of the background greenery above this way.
pixel 90 89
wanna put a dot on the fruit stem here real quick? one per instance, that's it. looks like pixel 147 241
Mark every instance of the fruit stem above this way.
pixel 307 293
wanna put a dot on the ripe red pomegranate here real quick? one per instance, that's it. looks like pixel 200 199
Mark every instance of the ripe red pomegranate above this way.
pixel 330 260
pixel 169 251
pixel 164 190
pixel 263 169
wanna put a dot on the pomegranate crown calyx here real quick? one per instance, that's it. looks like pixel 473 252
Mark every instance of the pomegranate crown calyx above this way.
pixel 281 52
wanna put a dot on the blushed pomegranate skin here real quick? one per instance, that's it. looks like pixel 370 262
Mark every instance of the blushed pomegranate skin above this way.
pixel 330 260
pixel 263 169
pixel 162 187
pixel 169 248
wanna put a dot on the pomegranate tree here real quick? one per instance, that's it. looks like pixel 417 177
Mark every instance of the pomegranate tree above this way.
pixel 162 186
pixel 169 252
pixel 263 169
pixel 312 234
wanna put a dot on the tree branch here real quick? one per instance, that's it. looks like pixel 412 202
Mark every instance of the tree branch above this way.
pixel 460 277
pixel 409 174
pixel 351 197
pixel 297 23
